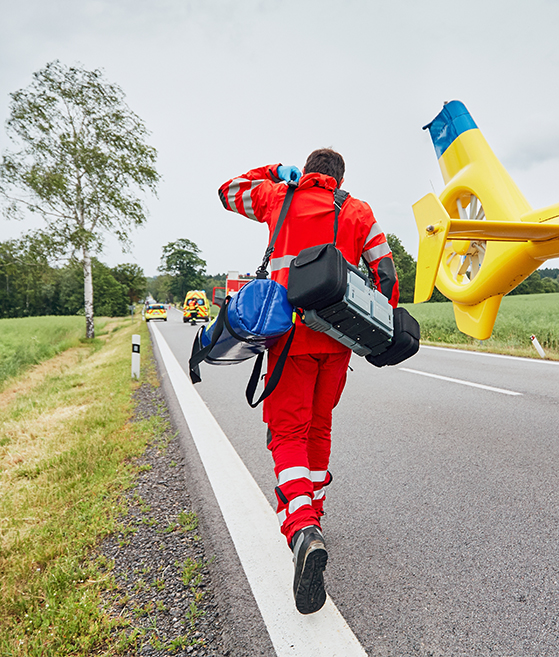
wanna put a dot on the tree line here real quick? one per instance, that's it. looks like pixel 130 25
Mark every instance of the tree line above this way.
pixel 31 285
pixel 182 268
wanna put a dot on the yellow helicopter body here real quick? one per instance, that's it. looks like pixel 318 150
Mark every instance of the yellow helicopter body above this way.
pixel 480 238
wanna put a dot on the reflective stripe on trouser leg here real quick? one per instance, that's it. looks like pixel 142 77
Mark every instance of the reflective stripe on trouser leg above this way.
pixel 320 479
pixel 293 506
pixel 294 473
pixel 293 491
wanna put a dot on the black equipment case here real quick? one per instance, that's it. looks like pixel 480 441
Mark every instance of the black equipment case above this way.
pixel 361 319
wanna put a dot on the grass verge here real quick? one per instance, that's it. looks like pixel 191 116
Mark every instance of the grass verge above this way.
pixel 26 341
pixel 67 452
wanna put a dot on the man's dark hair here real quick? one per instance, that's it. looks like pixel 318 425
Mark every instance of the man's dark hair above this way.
pixel 327 161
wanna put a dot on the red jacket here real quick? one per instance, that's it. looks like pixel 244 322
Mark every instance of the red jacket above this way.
pixel 259 195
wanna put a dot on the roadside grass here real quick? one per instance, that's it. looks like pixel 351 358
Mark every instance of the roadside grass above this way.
pixel 520 316
pixel 67 452
pixel 26 341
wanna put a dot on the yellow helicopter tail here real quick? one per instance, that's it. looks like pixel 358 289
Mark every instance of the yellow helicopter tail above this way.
pixel 480 238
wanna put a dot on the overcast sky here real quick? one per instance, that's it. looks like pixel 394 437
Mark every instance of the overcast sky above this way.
pixel 228 85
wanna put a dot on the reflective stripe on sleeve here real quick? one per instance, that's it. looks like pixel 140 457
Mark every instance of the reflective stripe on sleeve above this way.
pixel 247 204
pixel 279 263
pixel 282 517
pixel 319 494
pixel 290 474
pixel 377 252
pixel 246 198
pixel 375 230
pixel 234 187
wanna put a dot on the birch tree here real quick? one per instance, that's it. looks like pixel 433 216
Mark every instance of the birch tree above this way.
pixel 81 162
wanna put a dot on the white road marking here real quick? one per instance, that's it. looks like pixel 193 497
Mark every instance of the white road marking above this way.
pixel 247 513
pixel 523 359
pixel 461 381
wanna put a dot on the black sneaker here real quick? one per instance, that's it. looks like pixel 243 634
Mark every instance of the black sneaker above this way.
pixel 309 557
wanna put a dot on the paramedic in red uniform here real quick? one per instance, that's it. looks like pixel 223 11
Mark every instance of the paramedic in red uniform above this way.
pixel 299 411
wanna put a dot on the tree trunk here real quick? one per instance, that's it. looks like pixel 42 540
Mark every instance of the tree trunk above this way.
pixel 88 294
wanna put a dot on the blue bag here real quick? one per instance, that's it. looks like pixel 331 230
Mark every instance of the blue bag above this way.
pixel 248 323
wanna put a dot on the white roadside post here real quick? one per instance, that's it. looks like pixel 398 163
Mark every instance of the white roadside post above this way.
pixel 136 356
pixel 537 346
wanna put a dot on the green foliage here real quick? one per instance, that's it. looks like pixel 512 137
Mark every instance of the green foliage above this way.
pixel 81 158
pixel 132 277
pixel 30 286
pixel 180 261
pixel 550 284
pixel 531 285
pixel 159 288
pixel 110 296
pixel 549 273
pixel 405 268
pixel 27 281
pixel 188 520
pixel 211 281
pixel 535 284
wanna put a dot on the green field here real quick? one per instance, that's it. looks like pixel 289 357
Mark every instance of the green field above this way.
pixel 519 317
pixel 26 341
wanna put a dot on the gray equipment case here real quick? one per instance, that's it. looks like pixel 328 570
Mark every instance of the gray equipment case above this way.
pixel 362 320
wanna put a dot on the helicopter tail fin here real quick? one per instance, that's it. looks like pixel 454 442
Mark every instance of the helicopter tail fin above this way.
pixel 433 224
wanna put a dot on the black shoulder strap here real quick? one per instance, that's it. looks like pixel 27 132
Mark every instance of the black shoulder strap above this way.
pixel 274 376
pixel 261 272
pixel 340 196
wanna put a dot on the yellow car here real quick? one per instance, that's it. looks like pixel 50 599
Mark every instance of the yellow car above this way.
pixel 156 311
pixel 196 306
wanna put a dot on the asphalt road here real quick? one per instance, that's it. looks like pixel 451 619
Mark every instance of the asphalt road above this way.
pixel 442 520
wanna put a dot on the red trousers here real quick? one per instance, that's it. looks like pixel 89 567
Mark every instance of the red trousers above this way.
pixel 299 416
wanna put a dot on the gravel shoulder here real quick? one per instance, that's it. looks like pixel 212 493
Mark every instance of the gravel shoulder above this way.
pixel 179 580
pixel 161 564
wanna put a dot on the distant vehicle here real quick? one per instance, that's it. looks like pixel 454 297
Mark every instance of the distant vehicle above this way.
pixel 195 307
pixel 233 284
pixel 156 311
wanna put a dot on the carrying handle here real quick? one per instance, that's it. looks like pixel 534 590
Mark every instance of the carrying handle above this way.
pixel 262 272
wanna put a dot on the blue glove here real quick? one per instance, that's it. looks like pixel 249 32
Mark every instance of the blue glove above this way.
pixel 288 173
